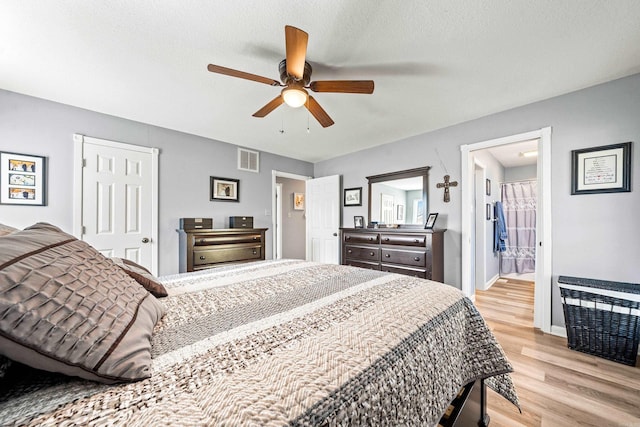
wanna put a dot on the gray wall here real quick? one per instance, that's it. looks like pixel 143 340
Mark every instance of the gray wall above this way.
pixel 293 221
pixel 520 173
pixel 606 224
pixel 35 126
pixel 495 172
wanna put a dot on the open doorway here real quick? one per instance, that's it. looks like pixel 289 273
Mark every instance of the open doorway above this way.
pixel 487 158
pixel 289 216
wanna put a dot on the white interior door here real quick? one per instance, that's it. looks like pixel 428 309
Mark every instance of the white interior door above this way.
pixel 118 206
pixel 323 219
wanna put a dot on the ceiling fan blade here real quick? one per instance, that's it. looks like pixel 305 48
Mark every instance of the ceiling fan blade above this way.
pixel 342 86
pixel 296 43
pixel 318 112
pixel 272 105
pixel 241 74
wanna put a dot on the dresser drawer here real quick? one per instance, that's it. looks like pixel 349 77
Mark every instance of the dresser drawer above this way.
pixel 407 271
pixel 212 256
pixel 394 256
pixel 372 238
pixel 363 264
pixel 404 239
pixel 362 252
pixel 226 240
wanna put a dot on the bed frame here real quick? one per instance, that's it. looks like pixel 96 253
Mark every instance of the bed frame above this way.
pixel 469 408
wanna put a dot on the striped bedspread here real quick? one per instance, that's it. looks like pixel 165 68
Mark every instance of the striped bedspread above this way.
pixel 287 343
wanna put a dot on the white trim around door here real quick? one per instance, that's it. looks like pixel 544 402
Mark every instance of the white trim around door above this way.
pixel 542 303
pixel 78 168
pixel 274 209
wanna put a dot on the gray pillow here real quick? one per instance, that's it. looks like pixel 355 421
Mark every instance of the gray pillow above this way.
pixel 142 276
pixel 66 308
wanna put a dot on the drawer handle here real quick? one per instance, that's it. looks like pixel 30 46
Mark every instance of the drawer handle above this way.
pixel 255 238
pixel 387 255
pixel 370 238
pixel 202 257
pixel 202 241
pixel 386 239
pixel 416 241
pixel 349 251
pixel 372 253
pixel 347 238
pixel 416 258
pixel 255 252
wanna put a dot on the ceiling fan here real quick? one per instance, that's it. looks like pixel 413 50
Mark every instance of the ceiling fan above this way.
pixel 295 74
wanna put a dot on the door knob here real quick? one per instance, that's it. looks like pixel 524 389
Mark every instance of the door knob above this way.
pixel 335 234
pixel 145 240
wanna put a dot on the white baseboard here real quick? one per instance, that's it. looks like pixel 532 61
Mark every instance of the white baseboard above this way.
pixel 491 281
pixel 559 331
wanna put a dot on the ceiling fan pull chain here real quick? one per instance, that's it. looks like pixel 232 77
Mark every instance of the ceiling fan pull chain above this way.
pixel 281 123
pixel 308 114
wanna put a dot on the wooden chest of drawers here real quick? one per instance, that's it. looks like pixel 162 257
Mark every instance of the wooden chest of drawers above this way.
pixel 200 249
pixel 414 252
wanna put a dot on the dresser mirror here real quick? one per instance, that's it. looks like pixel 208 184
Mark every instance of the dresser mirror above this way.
pixel 399 198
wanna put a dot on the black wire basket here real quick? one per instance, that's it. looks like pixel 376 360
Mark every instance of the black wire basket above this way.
pixel 599 324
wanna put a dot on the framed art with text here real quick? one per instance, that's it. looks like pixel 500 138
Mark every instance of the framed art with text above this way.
pixel 22 179
pixel 605 169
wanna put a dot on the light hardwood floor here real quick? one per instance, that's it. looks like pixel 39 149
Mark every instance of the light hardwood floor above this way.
pixel 556 386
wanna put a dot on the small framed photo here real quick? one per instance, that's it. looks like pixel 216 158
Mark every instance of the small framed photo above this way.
pixel 358 222
pixel 298 201
pixel 488 187
pixel 488 211
pixel 431 221
pixel 605 169
pixel 22 179
pixel 224 189
pixel 353 196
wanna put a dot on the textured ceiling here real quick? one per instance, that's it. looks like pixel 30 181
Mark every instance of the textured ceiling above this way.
pixel 435 63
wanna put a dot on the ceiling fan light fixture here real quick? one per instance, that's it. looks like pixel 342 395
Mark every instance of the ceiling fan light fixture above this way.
pixel 294 97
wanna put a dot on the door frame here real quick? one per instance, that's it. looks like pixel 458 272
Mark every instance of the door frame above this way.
pixel 542 300
pixel 274 217
pixel 78 167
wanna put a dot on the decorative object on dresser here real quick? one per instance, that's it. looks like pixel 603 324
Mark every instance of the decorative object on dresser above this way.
pixel 431 220
pixel 414 252
pixel 358 222
pixel 240 222
pixel 195 223
pixel 202 249
pixel 224 189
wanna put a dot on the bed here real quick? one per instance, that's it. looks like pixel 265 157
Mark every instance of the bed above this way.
pixel 284 342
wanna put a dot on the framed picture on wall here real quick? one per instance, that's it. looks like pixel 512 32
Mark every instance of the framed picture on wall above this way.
pixel 605 169
pixel 22 179
pixel 353 196
pixel 224 189
pixel 298 201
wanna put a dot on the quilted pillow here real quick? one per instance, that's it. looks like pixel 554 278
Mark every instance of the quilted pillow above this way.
pixel 67 308
pixel 142 276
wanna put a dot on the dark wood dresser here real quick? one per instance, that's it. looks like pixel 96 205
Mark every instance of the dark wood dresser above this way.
pixel 207 248
pixel 411 251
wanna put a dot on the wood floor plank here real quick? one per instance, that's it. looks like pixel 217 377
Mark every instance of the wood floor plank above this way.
pixel 557 386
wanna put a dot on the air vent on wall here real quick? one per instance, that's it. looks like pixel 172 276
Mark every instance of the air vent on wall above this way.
pixel 248 160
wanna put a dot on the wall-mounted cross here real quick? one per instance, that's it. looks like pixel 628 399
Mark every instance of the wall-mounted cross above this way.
pixel 446 184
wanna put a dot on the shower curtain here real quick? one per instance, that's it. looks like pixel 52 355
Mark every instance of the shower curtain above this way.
pixel 519 204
